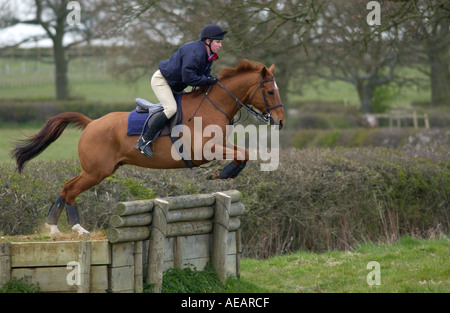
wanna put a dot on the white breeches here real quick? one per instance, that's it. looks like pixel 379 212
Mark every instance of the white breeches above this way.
pixel 164 94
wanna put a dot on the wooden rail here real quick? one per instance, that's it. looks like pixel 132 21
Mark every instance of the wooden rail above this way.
pixel 398 117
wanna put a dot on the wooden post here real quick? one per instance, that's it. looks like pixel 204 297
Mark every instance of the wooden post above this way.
pixel 156 245
pixel 84 258
pixel 122 268
pixel 178 252
pixel 220 235
pixel 427 122
pixel 5 263
pixel 138 270
pixel 238 252
pixel 415 121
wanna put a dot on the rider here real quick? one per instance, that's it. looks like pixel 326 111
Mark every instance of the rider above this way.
pixel 189 66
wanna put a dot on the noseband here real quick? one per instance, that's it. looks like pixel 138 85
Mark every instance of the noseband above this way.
pixel 263 117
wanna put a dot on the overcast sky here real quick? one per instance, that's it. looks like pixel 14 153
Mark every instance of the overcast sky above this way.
pixel 13 35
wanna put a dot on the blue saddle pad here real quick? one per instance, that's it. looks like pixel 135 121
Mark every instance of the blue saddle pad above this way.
pixel 136 120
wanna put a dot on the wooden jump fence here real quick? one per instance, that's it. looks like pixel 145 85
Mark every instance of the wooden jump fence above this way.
pixel 398 117
pixel 146 238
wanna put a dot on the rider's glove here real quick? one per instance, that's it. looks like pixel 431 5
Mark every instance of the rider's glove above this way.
pixel 212 80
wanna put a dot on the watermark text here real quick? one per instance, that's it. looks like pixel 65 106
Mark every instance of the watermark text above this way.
pixel 74 16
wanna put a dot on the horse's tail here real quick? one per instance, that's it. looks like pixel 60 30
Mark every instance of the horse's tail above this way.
pixel 30 148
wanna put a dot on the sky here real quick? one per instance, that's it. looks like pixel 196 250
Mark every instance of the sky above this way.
pixel 13 35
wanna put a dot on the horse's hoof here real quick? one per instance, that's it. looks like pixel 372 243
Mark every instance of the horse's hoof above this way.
pixel 214 175
pixel 81 231
pixel 54 231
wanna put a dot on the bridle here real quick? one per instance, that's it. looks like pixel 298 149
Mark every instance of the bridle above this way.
pixel 266 114
pixel 263 117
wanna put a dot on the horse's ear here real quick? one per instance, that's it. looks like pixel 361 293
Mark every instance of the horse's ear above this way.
pixel 272 69
pixel 265 72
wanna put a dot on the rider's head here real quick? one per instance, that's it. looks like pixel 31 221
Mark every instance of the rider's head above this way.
pixel 212 35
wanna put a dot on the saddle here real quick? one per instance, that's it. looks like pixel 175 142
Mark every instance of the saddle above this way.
pixel 149 109
pixel 143 116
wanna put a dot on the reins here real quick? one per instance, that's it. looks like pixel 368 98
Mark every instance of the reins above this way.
pixel 263 117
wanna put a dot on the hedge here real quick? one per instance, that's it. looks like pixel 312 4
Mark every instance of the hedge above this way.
pixel 21 111
pixel 376 137
pixel 318 199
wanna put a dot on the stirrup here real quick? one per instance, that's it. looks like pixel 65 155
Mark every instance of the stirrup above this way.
pixel 144 147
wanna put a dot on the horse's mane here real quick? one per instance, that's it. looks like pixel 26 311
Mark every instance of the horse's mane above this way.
pixel 243 66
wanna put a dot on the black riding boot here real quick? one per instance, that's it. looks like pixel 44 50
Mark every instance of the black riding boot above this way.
pixel 144 142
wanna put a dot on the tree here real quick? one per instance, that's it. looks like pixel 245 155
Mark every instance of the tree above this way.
pixel 418 31
pixel 343 46
pixel 266 31
pixel 427 36
pixel 330 39
pixel 52 16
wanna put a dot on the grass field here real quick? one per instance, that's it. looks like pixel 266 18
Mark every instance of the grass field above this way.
pixel 89 79
pixel 410 265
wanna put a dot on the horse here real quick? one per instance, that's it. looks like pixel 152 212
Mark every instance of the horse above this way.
pixel 104 145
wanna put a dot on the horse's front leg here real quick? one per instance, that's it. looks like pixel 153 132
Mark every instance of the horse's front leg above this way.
pixel 232 170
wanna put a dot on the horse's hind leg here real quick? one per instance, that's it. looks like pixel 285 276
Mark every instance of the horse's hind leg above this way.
pixel 53 216
pixel 232 170
pixel 67 199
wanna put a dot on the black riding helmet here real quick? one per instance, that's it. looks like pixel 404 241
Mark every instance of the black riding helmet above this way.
pixel 212 32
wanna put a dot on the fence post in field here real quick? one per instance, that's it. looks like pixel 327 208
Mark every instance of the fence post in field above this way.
pixel 220 235
pixel 156 245
pixel 5 263
pixel 84 259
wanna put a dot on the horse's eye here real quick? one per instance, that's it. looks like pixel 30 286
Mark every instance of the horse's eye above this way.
pixel 271 92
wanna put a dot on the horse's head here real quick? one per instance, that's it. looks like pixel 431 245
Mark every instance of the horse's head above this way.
pixel 265 97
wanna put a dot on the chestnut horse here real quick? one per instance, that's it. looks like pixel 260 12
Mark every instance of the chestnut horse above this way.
pixel 104 145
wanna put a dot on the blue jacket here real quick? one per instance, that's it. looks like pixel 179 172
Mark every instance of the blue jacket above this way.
pixel 189 66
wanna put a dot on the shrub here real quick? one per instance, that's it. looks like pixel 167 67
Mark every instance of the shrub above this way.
pixel 21 111
pixel 383 97
pixel 317 199
pixel 381 137
pixel 190 280
pixel 21 285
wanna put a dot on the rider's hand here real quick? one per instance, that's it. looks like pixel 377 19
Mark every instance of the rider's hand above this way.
pixel 212 80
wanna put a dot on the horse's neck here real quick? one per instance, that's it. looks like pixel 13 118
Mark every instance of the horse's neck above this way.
pixel 237 87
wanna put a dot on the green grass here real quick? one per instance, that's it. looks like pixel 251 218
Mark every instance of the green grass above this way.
pixel 88 79
pixel 410 265
pixel 345 93
pixel 108 90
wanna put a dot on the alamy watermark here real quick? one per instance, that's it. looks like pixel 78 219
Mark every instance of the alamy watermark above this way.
pixel 374 277
pixel 374 16
pixel 262 145
pixel 74 276
pixel 74 16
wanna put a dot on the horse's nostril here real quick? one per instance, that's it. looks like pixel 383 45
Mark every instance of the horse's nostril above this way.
pixel 281 124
